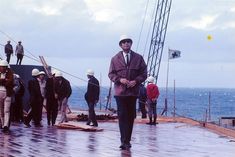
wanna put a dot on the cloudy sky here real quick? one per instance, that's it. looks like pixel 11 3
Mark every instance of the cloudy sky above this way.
pixel 74 35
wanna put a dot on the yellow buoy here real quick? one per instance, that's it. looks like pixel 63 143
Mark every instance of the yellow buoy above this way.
pixel 209 37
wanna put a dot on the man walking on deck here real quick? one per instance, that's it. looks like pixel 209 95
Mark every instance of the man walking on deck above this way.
pixel 127 70
pixel 19 53
pixel 92 97
pixel 8 51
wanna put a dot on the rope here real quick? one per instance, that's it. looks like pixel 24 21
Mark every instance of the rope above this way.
pixel 36 59
pixel 16 43
pixel 150 26
pixel 83 91
pixel 146 8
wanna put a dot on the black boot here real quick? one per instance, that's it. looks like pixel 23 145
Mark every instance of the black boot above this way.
pixel 150 121
pixel 155 120
pixel 144 116
pixel 48 123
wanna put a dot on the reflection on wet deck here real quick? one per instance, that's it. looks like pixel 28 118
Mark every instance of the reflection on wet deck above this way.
pixel 163 140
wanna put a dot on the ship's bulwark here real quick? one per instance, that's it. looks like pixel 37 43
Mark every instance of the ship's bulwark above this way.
pixel 24 71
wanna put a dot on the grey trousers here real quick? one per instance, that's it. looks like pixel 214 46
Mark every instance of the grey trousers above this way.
pixel 5 104
pixel 152 108
pixel 64 105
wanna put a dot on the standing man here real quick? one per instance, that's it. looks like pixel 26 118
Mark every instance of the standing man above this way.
pixel 51 101
pixel 8 50
pixel 63 91
pixel 127 70
pixel 142 101
pixel 18 114
pixel 19 53
pixel 6 91
pixel 92 97
pixel 35 99
pixel 16 87
pixel 152 96
pixel 42 84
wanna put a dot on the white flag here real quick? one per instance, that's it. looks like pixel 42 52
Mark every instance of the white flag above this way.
pixel 174 54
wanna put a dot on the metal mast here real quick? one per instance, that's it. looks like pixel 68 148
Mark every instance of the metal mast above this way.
pixel 158 37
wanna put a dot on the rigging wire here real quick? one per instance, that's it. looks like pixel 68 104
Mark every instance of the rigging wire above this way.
pixel 141 29
pixel 150 26
pixel 74 76
pixel 38 60
pixel 33 57
pixel 9 37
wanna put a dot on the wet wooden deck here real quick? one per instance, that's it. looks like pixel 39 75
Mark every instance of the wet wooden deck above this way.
pixel 163 140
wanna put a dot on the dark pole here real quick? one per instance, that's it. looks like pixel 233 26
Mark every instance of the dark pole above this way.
pixel 209 107
pixel 174 99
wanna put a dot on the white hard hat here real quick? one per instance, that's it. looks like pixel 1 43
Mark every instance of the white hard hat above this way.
pixel 53 71
pixel 35 72
pixel 41 73
pixel 90 72
pixel 150 79
pixel 124 37
pixel 16 76
pixel 58 74
pixel 3 63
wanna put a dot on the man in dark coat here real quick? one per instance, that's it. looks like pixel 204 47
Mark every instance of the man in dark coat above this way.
pixel 127 70
pixel 17 98
pixel 19 101
pixel 35 100
pixel 63 91
pixel 92 97
pixel 8 51
pixel 52 103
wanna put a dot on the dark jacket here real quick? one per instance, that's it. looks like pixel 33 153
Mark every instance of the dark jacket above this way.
pixel 143 93
pixel 63 89
pixel 50 90
pixel 8 49
pixel 93 90
pixel 137 70
pixel 34 92
pixel 8 82
pixel 20 92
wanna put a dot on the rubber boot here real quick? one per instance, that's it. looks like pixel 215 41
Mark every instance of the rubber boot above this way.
pixel 150 121
pixel 155 120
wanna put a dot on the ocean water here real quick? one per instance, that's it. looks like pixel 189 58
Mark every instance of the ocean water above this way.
pixel 189 102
